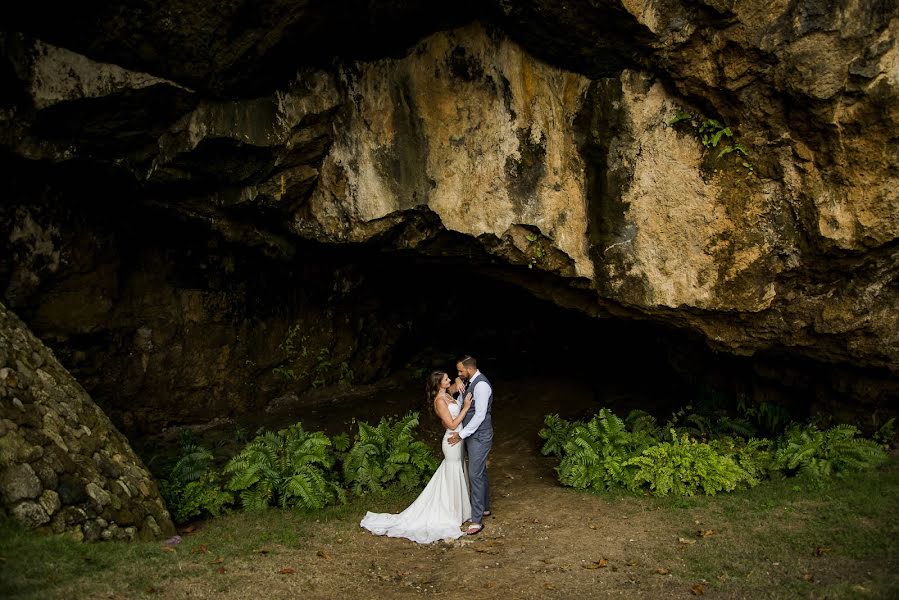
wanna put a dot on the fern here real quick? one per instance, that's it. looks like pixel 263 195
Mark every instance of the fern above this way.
pixel 388 455
pixel 193 487
pixel 684 467
pixel 753 456
pixel 555 432
pixel 291 467
pixel 886 433
pixel 813 453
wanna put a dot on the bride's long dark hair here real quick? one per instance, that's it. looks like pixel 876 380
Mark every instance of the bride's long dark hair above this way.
pixel 432 385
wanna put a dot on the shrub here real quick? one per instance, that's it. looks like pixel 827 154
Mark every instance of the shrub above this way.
pixel 193 487
pixel 594 454
pixel 387 455
pixel 292 467
pixel 684 467
pixel 808 451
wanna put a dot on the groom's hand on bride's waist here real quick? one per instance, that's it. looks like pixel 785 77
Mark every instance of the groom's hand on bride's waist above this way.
pixel 454 438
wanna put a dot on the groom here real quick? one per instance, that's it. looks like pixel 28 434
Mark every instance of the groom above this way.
pixel 478 430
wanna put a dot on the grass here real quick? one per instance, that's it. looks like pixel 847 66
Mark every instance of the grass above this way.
pixel 785 538
pixel 58 567
pixel 837 538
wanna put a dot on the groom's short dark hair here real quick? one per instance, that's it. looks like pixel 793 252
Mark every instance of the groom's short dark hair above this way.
pixel 468 362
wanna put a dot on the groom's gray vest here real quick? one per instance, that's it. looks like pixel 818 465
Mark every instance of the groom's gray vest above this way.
pixel 487 425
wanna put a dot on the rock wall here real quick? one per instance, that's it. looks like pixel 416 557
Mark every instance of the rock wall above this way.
pixel 63 466
pixel 537 142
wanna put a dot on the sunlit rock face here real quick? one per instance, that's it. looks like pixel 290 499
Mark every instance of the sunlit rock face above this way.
pixel 63 466
pixel 472 128
pixel 536 140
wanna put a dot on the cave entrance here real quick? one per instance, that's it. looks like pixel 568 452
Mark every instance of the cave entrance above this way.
pixel 542 358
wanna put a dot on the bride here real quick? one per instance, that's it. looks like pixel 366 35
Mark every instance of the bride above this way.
pixel 440 510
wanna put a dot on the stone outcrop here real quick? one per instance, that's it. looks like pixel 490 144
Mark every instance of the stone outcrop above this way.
pixel 63 466
pixel 538 142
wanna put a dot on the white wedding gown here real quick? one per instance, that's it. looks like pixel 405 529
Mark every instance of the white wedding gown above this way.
pixel 440 509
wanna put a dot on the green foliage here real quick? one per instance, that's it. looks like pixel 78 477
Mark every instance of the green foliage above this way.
pixel 813 453
pixel 887 433
pixel 699 453
pixel 292 467
pixel 193 487
pixel 684 467
pixel 387 455
pixel 753 456
pixel 594 454
pixel 294 347
pixel 771 418
pixel 712 134
pixel 555 432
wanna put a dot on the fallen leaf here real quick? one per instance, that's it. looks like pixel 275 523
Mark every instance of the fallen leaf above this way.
pixel 286 571
pixel 217 561
pixel 705 533
pixel 662 571
pixel 698 589
pixel 150 589
pixel 261 550
pixel 189 529
pixel 601 563
pixel 167 549
pixel 549 586
pixel 202 549
pixel 821 550
pixel 595 564
pixel 221 570
pixel 324 554
pixel 592 526
pixel 685 541
pixel 809 577
pixel 490 585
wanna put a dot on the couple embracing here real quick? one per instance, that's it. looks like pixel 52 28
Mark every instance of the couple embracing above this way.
pixel 446 503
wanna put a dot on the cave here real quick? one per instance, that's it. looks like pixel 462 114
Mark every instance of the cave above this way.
pixel 171 324
pixel 220 220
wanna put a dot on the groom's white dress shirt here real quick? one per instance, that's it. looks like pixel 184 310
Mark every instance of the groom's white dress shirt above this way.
pixel 481 394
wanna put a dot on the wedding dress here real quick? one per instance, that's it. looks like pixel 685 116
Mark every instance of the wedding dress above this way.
pixel 440 510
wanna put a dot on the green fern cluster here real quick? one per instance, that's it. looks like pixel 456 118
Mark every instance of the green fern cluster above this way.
pixel 594 454
pixel 807 451
pixel 291 467
pixel 695 453
pixel 387 454
pixel 297 468
pixel 684 467
pixel 193 487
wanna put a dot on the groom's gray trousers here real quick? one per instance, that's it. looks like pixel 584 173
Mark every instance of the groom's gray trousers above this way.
pixel 478 447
